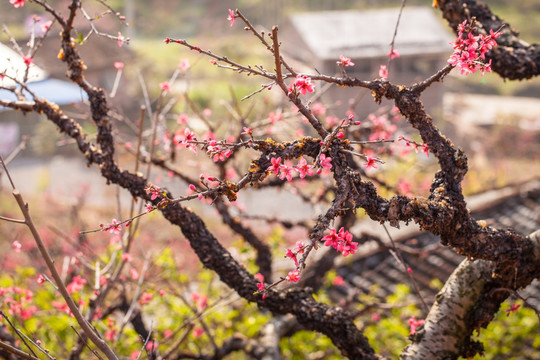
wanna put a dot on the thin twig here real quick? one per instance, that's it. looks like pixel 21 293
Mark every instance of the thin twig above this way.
pixel 17 332
pixel 87 328
pixel 14 350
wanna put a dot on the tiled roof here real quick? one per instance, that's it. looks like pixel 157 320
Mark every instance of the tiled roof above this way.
pixel 365 34
pixel 517 207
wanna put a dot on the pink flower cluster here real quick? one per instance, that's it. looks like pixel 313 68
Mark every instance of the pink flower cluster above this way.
pixel 153 191
pixel 414 324
pixel 302 84
pixel 303 168
pixel 341 241
pixel 186 138
pixel 76 284
pixel 18 301
pixel 344 61
pixel 415 145
pixel 218 153
pixel 382 129
pixel 469 49
pixel 260 285
pixel 299 249
pixel 17 3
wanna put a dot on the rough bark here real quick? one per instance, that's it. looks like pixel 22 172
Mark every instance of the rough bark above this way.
pixel 445 332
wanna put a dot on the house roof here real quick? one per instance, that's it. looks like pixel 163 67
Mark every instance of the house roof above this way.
pixel 367 34
pixel 517 207
pixel 13 65
pixel 57 91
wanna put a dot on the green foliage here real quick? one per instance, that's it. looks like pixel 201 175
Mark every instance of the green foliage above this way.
pixel 308 342
pixel 387 331
pixel 507 330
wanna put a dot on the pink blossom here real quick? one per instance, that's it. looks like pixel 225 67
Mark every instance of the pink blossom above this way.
pixel 393 53
pixel 331 120
pixel 318 108
pixel 200 299
pixel 62 306
pixel 41 279
pixel 197 332
pixel 46 26
pixel 110 335
pixel 134 273
pixel 120 39
pixel 273 117
pixel 371 163
pixel 17 246
pixel 187 138
pixel 17 3
pixel 293 276
pixel 302 84
pixel 403 187
pixel 344 61
pixel 325 161
pixel 303 168
pixel 76 284
pixel 341 241
pixel 184 64
pixel 231 17
pixel 285 172
pixel 148 208
pixel 338 281
pixel 292 255
pixel 383 72
pixel 126 257
pixel 118 65
pixel 207 112
pixel 165 86
pixel 161 292
pixel 512 309
pixel 299 247
pixel 27 60
pixel 469 49
pixel 146 297
pixel 115 227
pixel 247 131
pixel 425 148
pixel 182 119
pixel 259 277
pixel 414 324
pixel 276 165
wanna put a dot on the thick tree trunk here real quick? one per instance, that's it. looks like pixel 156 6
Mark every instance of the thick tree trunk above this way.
pixel 445 331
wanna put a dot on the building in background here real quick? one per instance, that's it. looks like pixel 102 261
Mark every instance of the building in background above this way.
pixel 15 124
pixel 319 38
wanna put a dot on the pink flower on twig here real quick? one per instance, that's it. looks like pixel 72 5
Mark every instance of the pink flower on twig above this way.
pixel 17 3
pixel 293 276
pixel 303 168
pixel 231 17
pixel 302 84
pixel 383 72
pixel 27 60
pixel 325 161
pixel 344 61
pixel 393 53
pixel 414 324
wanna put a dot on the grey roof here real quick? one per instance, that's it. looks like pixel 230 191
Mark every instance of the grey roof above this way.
pixel 517 207
pixel 366 34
